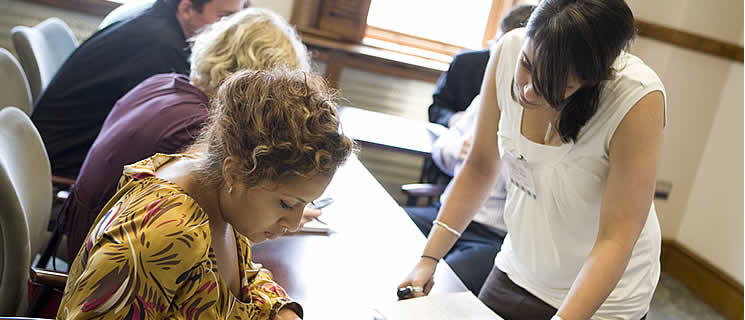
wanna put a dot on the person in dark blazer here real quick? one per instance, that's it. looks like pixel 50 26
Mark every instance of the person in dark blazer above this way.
pixel 70 112
pixel 457 87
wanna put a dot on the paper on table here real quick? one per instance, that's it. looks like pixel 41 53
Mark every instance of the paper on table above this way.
pixel 436 129
pixel 315 226
pixel 459 305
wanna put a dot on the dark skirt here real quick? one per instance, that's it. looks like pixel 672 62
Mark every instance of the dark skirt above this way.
pixel 511 301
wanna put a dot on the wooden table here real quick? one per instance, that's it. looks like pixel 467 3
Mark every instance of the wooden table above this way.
pixel 385 131
pixel 356 268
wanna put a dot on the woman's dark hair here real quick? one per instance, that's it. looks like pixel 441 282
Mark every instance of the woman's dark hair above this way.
pixel 581 36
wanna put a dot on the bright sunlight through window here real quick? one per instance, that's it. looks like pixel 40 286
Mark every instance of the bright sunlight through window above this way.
pixel 461 23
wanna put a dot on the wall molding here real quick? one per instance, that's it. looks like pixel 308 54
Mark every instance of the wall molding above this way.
pixel 708 282
pixel 689 40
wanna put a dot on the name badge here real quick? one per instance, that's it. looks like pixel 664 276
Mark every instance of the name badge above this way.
pixel 520 175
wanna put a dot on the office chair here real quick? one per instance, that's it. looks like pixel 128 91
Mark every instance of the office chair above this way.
pixel 23 155
pixel 42 50
pixel 14 89
pixel 15 247
pixel 24 162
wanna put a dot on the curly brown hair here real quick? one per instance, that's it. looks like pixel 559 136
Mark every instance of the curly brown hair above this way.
pixel 277 124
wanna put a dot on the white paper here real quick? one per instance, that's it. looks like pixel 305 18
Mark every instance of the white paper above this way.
pixel 315 226
pixel 459 305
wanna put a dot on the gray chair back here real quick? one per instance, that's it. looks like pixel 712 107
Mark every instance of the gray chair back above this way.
pixel 128 10
pixel 42 50
pixel 14 247
pixel 14 89
pixel 25 160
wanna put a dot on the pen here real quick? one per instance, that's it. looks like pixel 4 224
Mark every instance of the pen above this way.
pixel 320 221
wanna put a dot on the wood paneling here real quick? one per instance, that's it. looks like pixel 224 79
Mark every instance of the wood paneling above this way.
pixel 347 18
pixel 711 284
pixel 690 41
pixel 373 60
pixel 413 41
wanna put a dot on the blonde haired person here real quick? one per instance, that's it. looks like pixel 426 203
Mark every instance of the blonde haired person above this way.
pixel 174 242
pixel 254 37
pixel 165 113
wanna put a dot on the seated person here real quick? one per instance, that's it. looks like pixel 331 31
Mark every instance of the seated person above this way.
pixel 166 112
pixel 175 240
pixel 70 111
pixel 472 256
pixel 457 87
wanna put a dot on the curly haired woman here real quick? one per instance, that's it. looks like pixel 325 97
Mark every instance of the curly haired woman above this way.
pixel 165 113
pixel 174 241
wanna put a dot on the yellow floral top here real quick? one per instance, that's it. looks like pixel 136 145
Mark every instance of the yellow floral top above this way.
pixel 148 256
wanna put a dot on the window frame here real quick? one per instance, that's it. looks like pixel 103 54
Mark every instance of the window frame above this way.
pixel 497 10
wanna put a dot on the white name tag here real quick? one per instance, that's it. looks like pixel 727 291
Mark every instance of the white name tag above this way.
pixel 520 175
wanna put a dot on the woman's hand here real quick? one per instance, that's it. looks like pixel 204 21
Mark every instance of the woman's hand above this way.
pixel 287 314
pixel 421 276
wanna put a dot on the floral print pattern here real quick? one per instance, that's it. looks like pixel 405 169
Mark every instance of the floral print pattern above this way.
pixel 148 256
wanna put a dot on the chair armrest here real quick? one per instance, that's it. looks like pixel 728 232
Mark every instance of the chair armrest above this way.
pixel 63 182
pixel 50 278
pixel 422 189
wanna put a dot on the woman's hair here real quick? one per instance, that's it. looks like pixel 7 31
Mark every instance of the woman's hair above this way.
pixel 581 36
pixel 249 39
pixel 277 124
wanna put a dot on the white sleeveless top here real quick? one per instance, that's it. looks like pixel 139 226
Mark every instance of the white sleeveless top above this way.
pixel 552 230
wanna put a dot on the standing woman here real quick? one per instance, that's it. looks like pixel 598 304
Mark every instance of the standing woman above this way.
pixel 579 123
pixel 174 241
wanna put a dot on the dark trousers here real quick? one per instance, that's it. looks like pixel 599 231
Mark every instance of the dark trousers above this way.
pixel 511 301
pixel 472 256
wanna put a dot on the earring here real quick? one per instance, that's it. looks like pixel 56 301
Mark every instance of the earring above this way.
pixel 230 190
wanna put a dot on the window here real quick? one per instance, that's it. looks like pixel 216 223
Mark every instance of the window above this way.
pixel 458 23
pixel 428 29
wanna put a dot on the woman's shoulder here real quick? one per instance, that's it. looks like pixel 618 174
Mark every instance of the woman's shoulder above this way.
pixel 158 203
pixel 508 47
pixel 631 73
pixel 632 80
pixel 514 38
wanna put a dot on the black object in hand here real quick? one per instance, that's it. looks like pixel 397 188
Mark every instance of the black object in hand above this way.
pixel 403 292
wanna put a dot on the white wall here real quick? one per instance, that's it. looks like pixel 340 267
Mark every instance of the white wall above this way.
pixel 282 7
pixel 712 225
pixel 702 154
